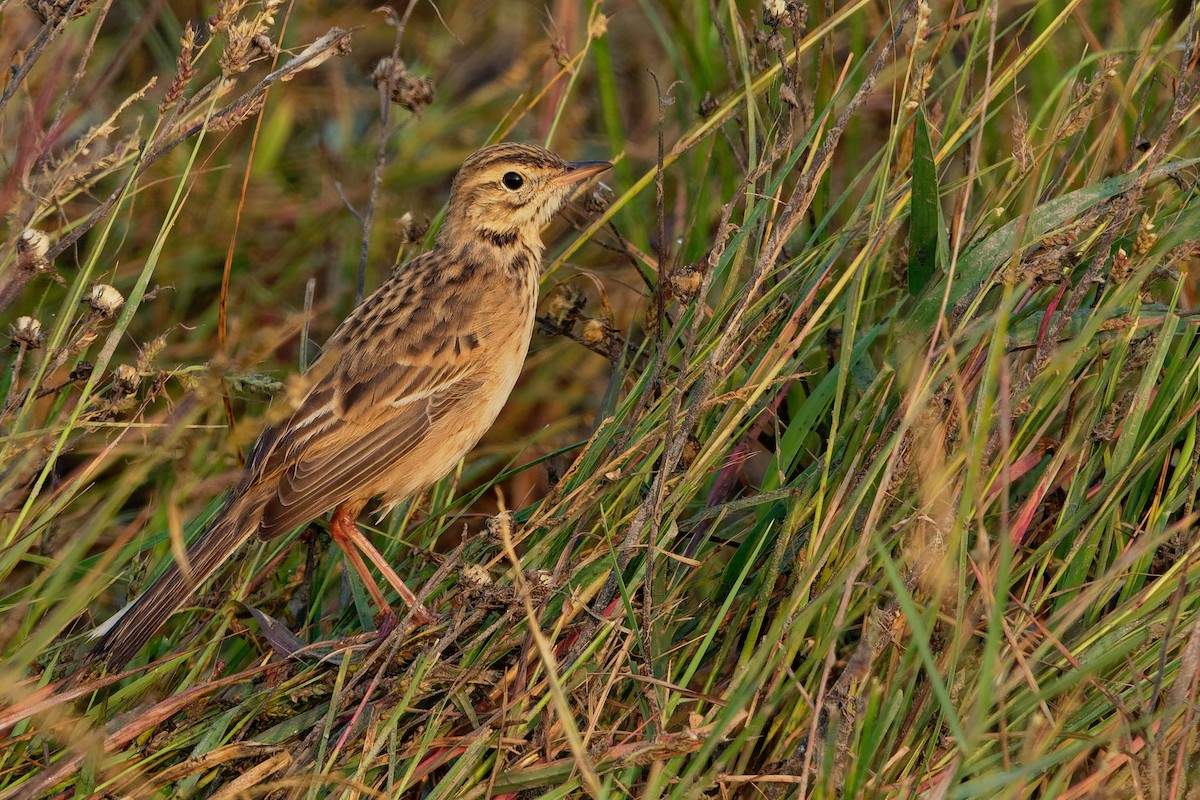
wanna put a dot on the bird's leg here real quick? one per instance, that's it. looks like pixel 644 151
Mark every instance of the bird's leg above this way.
pixel 344 529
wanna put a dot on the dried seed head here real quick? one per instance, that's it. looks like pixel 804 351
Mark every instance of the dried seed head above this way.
pixel 499 527
pixel 83 370
pixel 564 304
pixel 1107 427
pixel 541 584
pixel 263 44
pixel 774 12
pixel 412 231
pixel 922 28
pixel 27 332
pixel 125 379
pixel 1087 93
pixel 226 10
pixel 150 351
pixel 596 332
pixel 105 300
pixel 599 26
pixel 788 95
pixel 598 200
pixel 685 284
pixel 1022 151
pixel 1139 354
pixel 235 58
pixel 237 115
pixel 1145 236
pixel 1121 268
pixel 47 10
pixel 185 68
pixel 919 88
pixel 413 92
pixel 476 575
pixel 33 244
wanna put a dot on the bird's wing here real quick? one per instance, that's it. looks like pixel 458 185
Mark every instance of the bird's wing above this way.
pixel 340 457
pixel 375 392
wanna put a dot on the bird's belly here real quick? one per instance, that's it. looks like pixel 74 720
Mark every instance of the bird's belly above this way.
pixel 454 433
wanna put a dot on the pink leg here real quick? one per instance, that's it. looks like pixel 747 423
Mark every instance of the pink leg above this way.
pixel 344 529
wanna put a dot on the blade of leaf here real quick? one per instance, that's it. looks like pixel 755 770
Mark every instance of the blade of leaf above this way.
pixel 926 213
pixel 982 259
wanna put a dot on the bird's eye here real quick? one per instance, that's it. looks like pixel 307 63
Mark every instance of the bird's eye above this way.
pixel 512 180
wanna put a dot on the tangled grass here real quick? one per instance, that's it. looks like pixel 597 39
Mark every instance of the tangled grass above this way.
pixel 856 454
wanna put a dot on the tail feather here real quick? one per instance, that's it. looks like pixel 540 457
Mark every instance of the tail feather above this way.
pixel 122 636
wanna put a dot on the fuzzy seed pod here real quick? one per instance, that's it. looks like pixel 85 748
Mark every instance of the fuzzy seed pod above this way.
pixel 774 11
pixel 105 300
pixel 413 92
pixel 597 201
pixel 263 44
pixel 412 231
pixel 564 305
pixel 499 527
pixel 83 370
pixel 541 584
pixel 125 380
pixel 33 243
pixel 32 246
pixel 27 332
pixel 685 284
pixel 476 575
pixel 596 332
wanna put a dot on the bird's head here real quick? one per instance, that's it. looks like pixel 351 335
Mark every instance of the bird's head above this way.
pixel 507 192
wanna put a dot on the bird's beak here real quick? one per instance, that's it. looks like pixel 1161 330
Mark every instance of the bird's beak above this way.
pixel 580 171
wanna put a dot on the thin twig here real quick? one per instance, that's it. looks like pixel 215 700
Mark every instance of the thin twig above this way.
pixel 386 88
pixel 49 32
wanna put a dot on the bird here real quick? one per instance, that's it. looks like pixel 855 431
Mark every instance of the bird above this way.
pixel 401 391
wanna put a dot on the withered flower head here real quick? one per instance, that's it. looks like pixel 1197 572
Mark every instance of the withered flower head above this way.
pixel 564 304
pixel 32 246
pixel 27 331
pixel 125 379
pixel 413 92
pixel 596 332
pixel 105 300
pixel 685 284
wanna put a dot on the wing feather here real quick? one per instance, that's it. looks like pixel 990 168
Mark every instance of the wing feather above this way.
pixel 339 461
pixel 383 379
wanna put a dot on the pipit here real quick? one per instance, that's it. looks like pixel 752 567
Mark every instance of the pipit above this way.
pixel 405 386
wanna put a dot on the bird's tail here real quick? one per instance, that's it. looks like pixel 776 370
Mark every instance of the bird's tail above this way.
pixel 127 631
